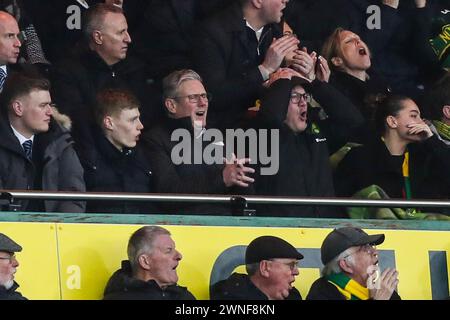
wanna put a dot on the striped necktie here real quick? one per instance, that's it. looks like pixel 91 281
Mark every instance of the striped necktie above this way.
pixel 27 147
pixel 2 78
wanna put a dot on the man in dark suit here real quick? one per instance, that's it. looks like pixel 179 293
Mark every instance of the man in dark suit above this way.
pixel 236 51
pixel 9 44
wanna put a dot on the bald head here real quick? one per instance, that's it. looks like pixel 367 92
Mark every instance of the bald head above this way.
pixel 9 41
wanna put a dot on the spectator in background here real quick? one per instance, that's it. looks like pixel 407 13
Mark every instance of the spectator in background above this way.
pixel 104 65
pixel 236 51
pixel 349 59
pixel 9 45
pixel 304 167
pixel 351 270
pixel 58 24
pixel 115 161
pixel 8 267
pixel 164 33
pixel 437 103
pixel 150 271
pixel 32 52
pixel 272 265
pixel 36 149
pixel 407 160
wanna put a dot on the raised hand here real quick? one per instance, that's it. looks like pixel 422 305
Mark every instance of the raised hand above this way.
pixel 420 129
pixel 303 63
pixel 387 284
pixel 282 73
pixel 235 172
pixel 278 51
pixel 323 71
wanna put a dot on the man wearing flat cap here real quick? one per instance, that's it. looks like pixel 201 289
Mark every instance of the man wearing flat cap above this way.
pixel 272 265
pixel 351 269
pixel 8 267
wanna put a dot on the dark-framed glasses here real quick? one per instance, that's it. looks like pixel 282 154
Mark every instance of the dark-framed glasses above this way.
pixel 295 97
pixel 195 98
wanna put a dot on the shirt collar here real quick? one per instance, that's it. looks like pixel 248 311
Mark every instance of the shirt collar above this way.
pixel 21 138
pixel 257 32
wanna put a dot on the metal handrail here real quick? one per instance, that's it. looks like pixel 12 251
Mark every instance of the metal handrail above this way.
pixel 225 199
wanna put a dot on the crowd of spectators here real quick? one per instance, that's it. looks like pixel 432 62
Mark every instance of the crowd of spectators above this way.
pixel 343 87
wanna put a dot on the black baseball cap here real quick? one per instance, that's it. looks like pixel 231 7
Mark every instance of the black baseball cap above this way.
pixel 270 247
pixel 341 239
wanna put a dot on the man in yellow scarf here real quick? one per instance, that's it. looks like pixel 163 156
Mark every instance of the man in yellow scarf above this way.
pixel 351 269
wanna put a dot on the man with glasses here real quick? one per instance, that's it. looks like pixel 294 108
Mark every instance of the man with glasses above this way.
pixel 36 149
pixel 304 168
pixel 8 267
pixel 186 102
pixel 351 270
pixel 272 265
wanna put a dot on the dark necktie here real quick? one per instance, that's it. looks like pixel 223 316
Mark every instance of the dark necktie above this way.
pixel 2 78
pixel 27 147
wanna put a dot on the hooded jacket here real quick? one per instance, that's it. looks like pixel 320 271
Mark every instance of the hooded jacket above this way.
pixel 55 165
pixel 304 169
pixel 122 286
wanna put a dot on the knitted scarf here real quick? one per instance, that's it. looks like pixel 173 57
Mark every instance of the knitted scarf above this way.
pixel 443 129
pixel 348 287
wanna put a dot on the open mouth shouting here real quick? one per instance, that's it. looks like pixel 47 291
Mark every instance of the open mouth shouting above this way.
pixel 303 116
pixel 362 51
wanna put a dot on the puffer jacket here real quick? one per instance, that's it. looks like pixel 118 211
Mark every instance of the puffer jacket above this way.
pixel 55 165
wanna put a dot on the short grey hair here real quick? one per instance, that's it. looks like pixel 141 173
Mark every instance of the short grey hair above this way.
pixel 173 81
pixel 94 18
pixel 142 241
pixel 252 268
pixel 333 266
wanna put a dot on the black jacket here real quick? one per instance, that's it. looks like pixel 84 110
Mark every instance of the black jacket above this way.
pixel 77 80
pixel 321 289
pixel 164 35
pixel 122 286
pixel 182 178
pixel 400 46
pixel 54 167
pixel 11 293
pixel 304 168
pixel 240 287
pixel 225 55
pixel 373 164
pixel 364 95
pixel 106 169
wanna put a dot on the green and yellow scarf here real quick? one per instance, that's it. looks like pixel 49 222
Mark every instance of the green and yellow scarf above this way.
pixel 443 129
pixel 348 287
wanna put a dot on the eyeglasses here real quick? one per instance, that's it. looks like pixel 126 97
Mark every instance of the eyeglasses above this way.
pixel 293 265
pixel 367 248
pixel 10 258
pixel 295 97
pixel 195 98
